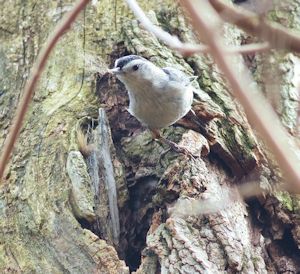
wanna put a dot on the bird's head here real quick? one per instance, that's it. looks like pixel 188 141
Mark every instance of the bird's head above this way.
pixel 133 68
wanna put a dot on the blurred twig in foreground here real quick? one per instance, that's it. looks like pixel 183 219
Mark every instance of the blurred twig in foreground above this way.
pixel 30 86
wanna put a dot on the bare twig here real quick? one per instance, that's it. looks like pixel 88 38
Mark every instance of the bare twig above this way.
pixel 278 36
pixel 215 203
pixel 33 80
pixel 186 48
pixel 249 48
pixel 259 112
pixel 166 37
pixel 190 49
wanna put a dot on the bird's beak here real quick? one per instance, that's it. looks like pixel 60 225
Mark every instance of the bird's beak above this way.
pixel 114 71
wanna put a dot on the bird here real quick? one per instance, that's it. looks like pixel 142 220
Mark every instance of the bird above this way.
pixel 158 97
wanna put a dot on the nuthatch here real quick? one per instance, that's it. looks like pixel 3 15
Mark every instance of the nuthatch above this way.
pixel 158 97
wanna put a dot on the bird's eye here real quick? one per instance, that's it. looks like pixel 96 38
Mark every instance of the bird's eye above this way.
pixel 135 67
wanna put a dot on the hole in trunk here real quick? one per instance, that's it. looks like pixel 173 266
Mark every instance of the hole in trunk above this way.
pixel 137 225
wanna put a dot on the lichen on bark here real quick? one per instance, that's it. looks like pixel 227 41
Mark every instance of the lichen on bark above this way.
pixel 47 227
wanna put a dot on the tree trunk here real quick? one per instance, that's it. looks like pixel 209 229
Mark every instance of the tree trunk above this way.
pixel 89 191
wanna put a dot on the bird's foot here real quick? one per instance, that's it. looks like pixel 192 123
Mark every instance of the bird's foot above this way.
pixel 172 145
pixel 179 149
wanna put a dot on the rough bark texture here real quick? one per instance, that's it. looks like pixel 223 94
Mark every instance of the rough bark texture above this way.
pixel 89 191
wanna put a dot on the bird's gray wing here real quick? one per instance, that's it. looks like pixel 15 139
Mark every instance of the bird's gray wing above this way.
pixel 177 75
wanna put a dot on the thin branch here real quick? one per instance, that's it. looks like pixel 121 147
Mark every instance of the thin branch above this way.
pixel 189 49
pixel 214 203
pixel 259 112
pixel 167 38
pixel 186 48
pixel 278 36
pixel 249 48
pixel 36 71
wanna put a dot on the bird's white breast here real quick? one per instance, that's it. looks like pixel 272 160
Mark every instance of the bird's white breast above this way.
pixel 159 107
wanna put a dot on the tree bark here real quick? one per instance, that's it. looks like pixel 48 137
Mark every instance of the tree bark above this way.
pixel 89 191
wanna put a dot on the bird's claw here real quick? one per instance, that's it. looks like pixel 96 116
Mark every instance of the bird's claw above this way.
pixel 182 150
pixel 177 148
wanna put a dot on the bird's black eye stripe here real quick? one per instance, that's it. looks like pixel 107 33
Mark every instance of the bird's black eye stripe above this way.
pixel 135 67
pixel 123 61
